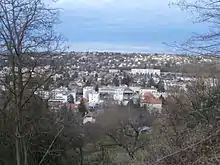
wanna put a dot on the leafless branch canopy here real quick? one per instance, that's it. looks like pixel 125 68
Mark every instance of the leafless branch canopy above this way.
pixel 27 26
pixel 205 12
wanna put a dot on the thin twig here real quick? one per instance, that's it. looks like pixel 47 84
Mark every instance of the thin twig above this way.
pixel 182 150
pixel 51 144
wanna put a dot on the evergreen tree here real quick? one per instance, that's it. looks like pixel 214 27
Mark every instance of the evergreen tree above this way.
pixel 143 83
pixel 96 75
pixel 84 79
pixel 97 88
pixel 116 81
pixel 151 83
pixel 126 80
pixel 160 86
pixel 70 99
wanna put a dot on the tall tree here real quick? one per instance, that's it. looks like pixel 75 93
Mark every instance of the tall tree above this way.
pixel 70 99
pixel 82 108
pixel 116 80
pixel 26 36
pixel 151 83
pixel 96 88
pixel 160 86
pixel 126 80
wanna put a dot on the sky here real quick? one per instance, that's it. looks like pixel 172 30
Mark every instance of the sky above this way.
pixel 124 25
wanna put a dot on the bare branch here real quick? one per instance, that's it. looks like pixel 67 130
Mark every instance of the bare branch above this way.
pixel 50 146
pixel 186 148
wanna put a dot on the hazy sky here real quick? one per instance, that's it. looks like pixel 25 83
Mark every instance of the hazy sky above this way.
pixel 123 25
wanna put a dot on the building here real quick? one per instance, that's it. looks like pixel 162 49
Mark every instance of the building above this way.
pixel 89 119
pixel 114 70
pixel 123 94
pixel 94 98
pixel 118 95
pixel 147 90
pixel 127 93
pixel 87 90
pixel 59 97
pixel 43 94
pixel 55 92
pixel 145 71
pixel 150 102
pixel 135 88
pixel 108 90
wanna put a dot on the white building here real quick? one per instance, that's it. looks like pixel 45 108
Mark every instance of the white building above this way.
pixel 43 94
pixel 59 98
pixel 147 90
pixel 86 91
pixel 123 95
pixel 145 71
pixel 108 89
pixel 135 89
pixel 119 95
pixel 94 98
pixel 154 107
pixel 114 70
pixel 89 119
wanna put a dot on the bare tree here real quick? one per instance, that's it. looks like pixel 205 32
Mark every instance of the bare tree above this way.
pixel 121 129
pixel 26 36
pixel 204 12
pixel 191 128
pixel 189 131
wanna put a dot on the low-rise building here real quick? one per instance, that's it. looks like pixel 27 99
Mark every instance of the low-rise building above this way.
pixel 145 71
pixel 114 70
pixel 87 90
pixel 94 98
pixel 151 103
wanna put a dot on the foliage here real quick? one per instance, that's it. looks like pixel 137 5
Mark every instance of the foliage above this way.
pixel 151 83
pixel 70 99
pixel 82 108
pixel 126 80
pixel 160 86
pixel 116 81
pixel 96 88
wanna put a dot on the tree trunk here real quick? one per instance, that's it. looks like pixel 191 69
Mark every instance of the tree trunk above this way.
pixel 17 147
pixel 81 155
pixel 25 153
pixel 18 144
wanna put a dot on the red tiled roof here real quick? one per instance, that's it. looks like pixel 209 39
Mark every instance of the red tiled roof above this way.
pixel 150 98
pixel 84 99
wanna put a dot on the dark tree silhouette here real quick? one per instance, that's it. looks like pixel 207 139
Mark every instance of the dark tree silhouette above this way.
pixel 151 83
pixel 126 80
pixel 160 86
pixel 96 88
pixel 84 79
pixel 26 27
pixel 82 108
pixel 70 99
pixel 96 75
pixel 116 81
